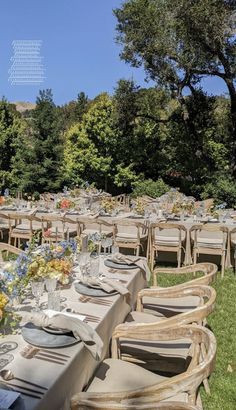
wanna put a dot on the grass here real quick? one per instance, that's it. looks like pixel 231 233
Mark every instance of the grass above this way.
pixel 223 323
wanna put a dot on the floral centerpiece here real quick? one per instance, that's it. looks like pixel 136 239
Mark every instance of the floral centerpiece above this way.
pixel 54 261
pixel 65 203
pixel 3 302
pixel 139 206
pixel 108 204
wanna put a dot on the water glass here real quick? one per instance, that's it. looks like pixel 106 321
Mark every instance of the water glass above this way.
pixel 37 289
pixel 94 266
pixel 54 300
pixel 51 284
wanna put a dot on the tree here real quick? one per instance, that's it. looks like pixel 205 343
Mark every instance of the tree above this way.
pixel 11 128
pixel 179 42
pixel 47 144
pixel 88 145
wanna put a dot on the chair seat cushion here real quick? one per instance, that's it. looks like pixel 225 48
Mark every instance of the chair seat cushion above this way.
pixel 168 307
pixel 167 240
pixel 115 375
pixel 215 243
pixel 89 231
pixel 128 237
pixel 166 356
pixel 24 228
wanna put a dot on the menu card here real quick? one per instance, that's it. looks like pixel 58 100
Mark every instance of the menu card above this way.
pixel 7 398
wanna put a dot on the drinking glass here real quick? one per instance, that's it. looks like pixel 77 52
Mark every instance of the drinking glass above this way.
pixel 54 300
pixel 83 261
pixel 94 266
pixel 37 291
pixel 51 284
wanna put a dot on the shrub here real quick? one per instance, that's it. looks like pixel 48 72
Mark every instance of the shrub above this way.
pixel 150 188
pixel 222 189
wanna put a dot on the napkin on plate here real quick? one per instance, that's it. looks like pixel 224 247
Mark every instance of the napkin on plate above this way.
pixel 62 320
pixel 106 284
pixel 138 261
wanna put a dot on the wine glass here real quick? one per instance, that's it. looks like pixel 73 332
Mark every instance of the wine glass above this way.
pixel 37 288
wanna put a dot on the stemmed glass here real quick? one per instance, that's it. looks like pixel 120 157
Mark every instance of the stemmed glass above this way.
pixel 37 289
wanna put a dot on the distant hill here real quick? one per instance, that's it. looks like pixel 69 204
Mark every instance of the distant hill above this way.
pixel 22 106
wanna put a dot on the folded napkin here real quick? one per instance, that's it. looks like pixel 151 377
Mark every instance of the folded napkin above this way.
pixel 81 330
pixel 107 284
pixel 138 261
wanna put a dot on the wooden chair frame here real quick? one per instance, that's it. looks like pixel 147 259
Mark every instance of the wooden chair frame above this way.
pixel 154 247
pixel 206 250
pixel 28 233
pixel 208 269
pixel 200 368
pixel 231 245
pixel 137 244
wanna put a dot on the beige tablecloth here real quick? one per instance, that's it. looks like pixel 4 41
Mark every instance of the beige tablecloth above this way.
pixel 64 381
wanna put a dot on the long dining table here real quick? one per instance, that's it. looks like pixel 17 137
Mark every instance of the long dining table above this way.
pixel 62 381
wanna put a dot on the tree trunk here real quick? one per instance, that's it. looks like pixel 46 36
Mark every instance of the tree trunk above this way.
pixel 232 93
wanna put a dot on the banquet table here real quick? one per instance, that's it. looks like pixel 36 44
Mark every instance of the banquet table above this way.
pixel 63 381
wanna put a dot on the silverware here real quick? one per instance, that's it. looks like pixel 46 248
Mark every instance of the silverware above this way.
pixel 99 301
pixel 20 389
pixel 31 352
pixel 88 317
pixel 8 375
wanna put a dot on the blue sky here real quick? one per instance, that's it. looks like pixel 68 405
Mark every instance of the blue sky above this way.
pixel 78 47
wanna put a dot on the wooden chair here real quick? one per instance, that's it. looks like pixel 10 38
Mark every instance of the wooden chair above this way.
pixel 118 384
pixel 233 245
pixel 166 237
pixel 85 404
pixel 4 224
pixel 8 248
pixel 22 226
pixel 161 308
pixel 130 235
pixel 208 269
pixel 56 228
pixel 210 239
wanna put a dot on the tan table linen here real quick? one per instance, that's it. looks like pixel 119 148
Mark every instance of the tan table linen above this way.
pixel 63 381
pixel 81 330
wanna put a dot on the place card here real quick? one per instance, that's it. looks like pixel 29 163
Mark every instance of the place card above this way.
pixel 7 398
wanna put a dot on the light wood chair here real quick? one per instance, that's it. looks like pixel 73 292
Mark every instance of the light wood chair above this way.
pixel 56 228
pixel 161 308
pixel 4 224
pixel 85 404
pixel 8 248
pixel 166 237
pixel 22 226
pixel 130 234
pixel 118 384
pixel 210 239
pixel 208 270
pixel 232 243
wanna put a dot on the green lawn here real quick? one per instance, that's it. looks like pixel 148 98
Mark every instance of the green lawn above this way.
pixel 223 323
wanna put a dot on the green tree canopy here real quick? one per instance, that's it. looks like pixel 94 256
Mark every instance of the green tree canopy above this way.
pixel 179 42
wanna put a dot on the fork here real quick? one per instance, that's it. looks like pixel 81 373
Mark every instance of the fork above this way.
pixel 85 299
pixel 30 352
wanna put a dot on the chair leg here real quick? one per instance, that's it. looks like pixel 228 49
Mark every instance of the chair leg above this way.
pixel 223 265
pixel 179 258
pixel 194 256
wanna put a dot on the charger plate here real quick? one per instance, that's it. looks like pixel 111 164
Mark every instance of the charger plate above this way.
pixel 122 265
pixel 89 291
pixel 36 336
